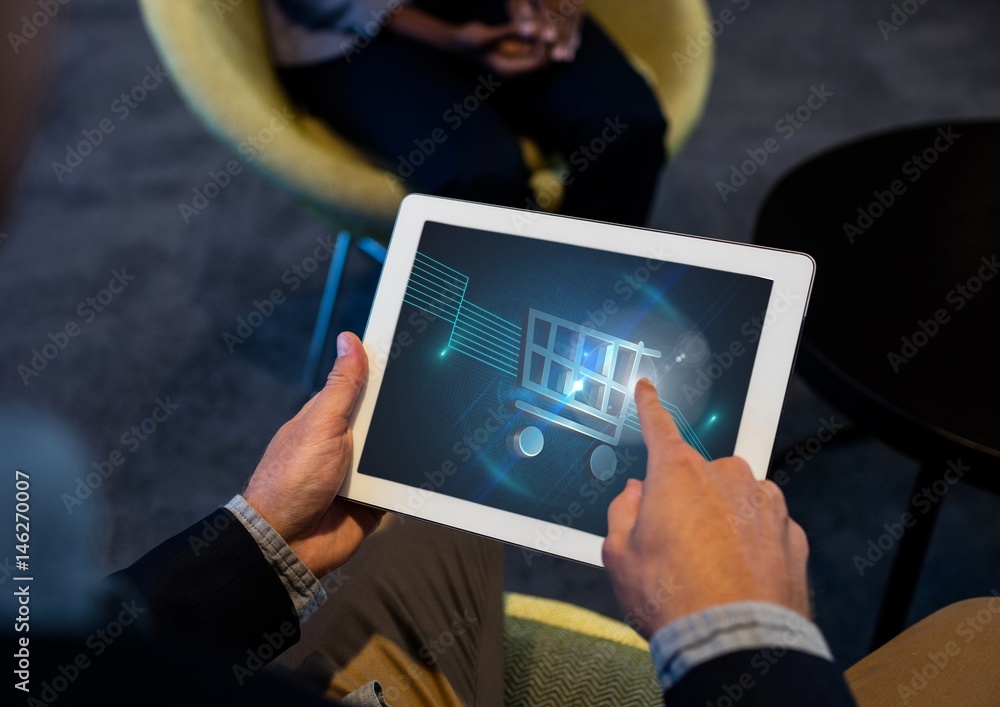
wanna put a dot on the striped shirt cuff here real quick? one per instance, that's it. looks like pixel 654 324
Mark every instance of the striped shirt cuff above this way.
pixel 692 640
pixel 301 584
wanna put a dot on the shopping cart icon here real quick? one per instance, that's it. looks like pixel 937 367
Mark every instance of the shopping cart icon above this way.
pixel 584 378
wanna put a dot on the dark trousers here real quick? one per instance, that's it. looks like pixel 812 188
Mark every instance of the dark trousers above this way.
pixel 448 126
pixel 419 609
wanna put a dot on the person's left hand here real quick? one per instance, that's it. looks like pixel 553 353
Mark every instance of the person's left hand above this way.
pixel 514 56
pixel 295 485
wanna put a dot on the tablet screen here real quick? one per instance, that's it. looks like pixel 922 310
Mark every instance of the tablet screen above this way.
pixel 509 382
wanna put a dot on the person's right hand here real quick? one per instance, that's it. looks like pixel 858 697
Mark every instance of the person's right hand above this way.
pixel 505 49
pixel 556 24
pixel 514 56
pixel 685 528
pixel 562 22
pixel 479 37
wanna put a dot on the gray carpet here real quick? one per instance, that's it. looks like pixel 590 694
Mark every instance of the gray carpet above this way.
pixel 161 337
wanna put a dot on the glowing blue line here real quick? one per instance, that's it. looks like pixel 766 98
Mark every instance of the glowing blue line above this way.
pixel 470 333
pixel 469 322
pixel 476 357
pixel 458 275
pixel 428 270
pixel 514 328
pixel 683 426
pixel 434 282
pixel 410 298
pixel 474 326
pixel 438 274
pixel 418 282
pixel 430 309
pixel 498 356
pixel 493 353
pixel 507 339
pixel 430 291
pixel 430 295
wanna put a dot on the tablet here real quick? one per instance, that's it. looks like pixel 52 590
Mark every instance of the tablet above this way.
pixel 504 348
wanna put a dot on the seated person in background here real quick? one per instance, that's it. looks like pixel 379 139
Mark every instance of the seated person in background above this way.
pixel 441 90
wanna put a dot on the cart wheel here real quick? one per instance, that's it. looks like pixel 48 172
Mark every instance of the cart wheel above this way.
pixel 603 462
pixel 527 442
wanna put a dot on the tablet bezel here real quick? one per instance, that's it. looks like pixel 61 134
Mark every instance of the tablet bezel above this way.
pixel 792 275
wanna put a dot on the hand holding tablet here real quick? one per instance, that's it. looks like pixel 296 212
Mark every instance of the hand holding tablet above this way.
pixel 505 346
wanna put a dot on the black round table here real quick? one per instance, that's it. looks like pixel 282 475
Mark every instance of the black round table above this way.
pixel 903 328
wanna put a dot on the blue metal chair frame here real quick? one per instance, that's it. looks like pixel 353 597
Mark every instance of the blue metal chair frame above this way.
pixel 331 290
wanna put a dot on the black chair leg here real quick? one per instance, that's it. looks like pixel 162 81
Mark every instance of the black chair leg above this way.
pixel 910 554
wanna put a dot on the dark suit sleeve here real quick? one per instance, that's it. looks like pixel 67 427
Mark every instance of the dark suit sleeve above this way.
pixel 771 677
pixel 210 611
pixel 212 580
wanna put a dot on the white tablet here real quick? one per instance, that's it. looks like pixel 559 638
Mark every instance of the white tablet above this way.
pixel 505 346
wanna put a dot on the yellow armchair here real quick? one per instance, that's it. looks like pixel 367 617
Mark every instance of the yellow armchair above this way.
pixel 218 57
